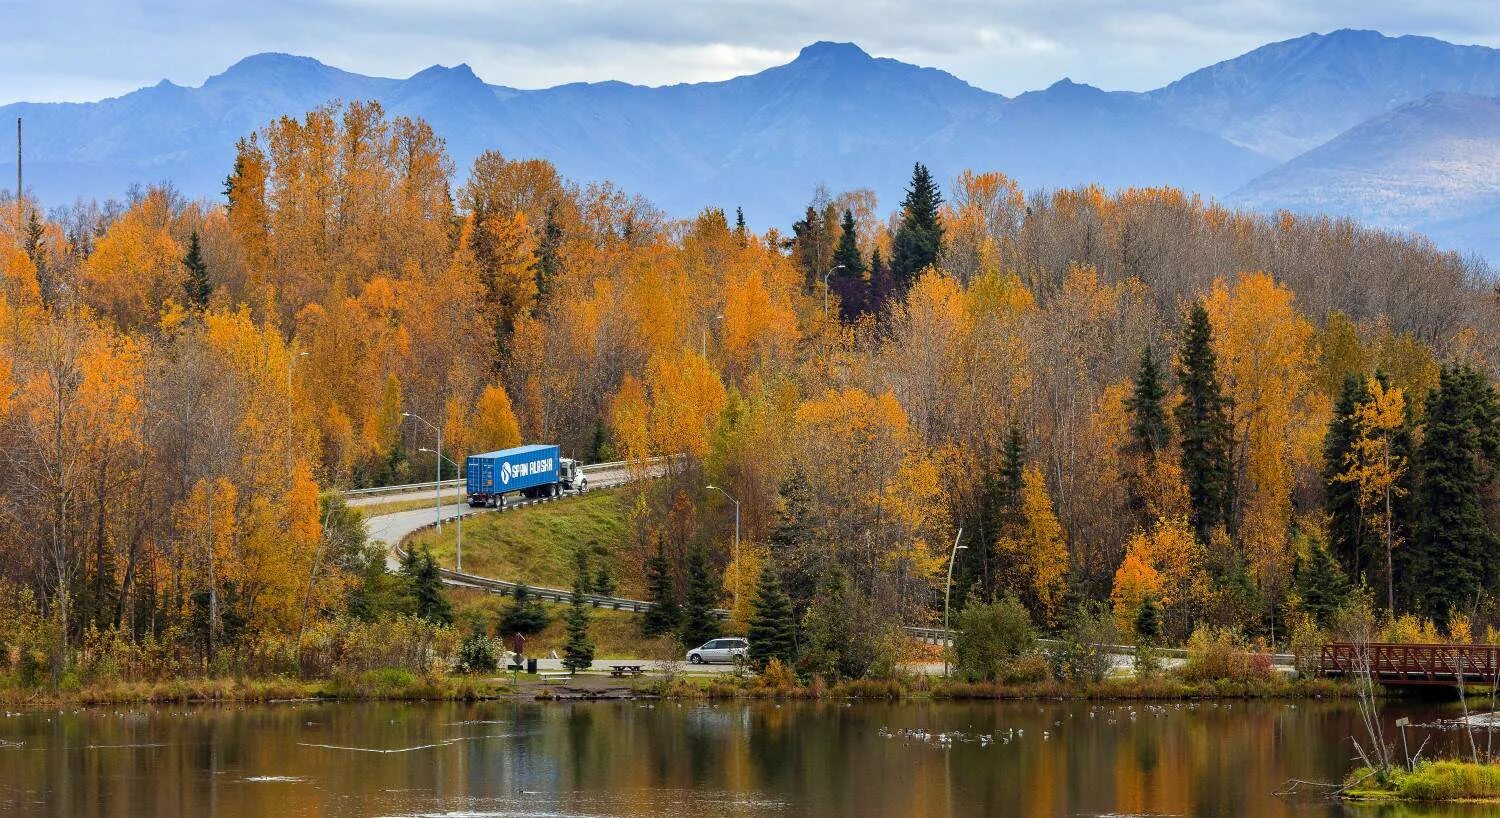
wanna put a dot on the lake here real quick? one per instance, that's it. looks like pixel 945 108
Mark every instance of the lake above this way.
pixel 687 759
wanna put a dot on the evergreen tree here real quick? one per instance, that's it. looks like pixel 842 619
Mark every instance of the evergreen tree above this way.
pixel 791 545
pixel 771 624
pixel 1453 551
pixel 604 580
pixel 526 614
pixel 698 621
pixel 1148 419
pixel 1346 534
pixel 1320 583
pixel 578 653
pixel 849 271
pixel 919 238
pixel 740 232
pixel 36 250
pixel 664 615
pixel 1148 621
pixel 196 287
pixel 1203 422
pixel 426 583
pixel 846 257
pixel 548 252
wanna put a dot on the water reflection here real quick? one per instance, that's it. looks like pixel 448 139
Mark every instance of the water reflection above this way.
pixel 688 759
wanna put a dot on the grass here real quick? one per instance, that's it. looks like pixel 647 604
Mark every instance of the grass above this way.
pixel 616 634
pixel 392 506
pixel 388 683
pixel 536 544
pixel 1431 781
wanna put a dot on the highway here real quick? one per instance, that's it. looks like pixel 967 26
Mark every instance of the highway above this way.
pixel 391 529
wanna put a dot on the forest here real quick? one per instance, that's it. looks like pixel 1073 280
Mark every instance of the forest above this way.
pixel 1129 399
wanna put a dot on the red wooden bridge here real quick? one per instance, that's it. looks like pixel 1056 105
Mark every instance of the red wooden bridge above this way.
pixel 1399 665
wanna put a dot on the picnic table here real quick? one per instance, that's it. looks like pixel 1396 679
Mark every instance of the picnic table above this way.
pixel 626 670
pixel 554 676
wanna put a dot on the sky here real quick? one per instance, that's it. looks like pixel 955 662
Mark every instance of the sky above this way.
pixel 80 50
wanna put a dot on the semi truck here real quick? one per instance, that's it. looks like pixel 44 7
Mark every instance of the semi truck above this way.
pixel 537 470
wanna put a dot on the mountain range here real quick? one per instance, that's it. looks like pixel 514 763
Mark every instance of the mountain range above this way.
pixel 1396 131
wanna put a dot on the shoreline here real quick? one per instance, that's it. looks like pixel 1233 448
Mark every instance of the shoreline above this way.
pixel 403 686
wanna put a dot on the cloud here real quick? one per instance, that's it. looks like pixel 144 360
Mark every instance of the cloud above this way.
pixel 86 49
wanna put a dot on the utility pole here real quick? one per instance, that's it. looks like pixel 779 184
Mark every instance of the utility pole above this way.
pixel 739 568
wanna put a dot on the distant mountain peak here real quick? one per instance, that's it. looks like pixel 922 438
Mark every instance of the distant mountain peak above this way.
pixel 270 65
pixel 460 73
pixel 827 51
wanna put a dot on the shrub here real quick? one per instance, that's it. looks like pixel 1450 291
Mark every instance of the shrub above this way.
pixel 477 654
pixel 1084 655
pixel 990 636
pixel 1215 654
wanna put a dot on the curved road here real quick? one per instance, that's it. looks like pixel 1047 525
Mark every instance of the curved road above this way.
pixel 391 529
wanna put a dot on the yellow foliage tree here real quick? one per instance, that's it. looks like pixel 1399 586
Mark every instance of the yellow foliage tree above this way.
pixel 494 423
pixel 1037 551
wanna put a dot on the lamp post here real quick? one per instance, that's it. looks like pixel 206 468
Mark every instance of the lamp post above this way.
pixel 458 506
pixel 738 568
pixel 437 493
pixel 947 593
pixel 830 272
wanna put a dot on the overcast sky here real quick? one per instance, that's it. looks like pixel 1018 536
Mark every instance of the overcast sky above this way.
pixel 87 49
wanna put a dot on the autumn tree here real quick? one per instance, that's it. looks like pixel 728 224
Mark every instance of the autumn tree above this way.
pixel 1034 555
pixel 1376 466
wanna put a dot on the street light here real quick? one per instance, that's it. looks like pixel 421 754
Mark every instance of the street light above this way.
pixel 830 272
pixel 437 489
pixel 948 592
pixel 458 506
pixel 738 568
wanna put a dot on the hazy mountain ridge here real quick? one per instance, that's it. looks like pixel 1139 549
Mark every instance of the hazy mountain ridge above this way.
pixel 838 116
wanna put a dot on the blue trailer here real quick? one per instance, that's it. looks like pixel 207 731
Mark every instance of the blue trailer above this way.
pixel 536 470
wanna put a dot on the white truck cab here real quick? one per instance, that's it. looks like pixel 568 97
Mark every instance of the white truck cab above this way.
pixel 570 475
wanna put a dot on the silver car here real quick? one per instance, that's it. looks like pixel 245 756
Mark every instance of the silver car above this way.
pixel 728 649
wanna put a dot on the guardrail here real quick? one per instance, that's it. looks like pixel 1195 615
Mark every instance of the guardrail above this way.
pixel 592 468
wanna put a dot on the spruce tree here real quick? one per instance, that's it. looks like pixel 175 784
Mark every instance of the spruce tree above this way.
pixel 1346 524
pixel 548 252
pixel 1203 422
pixel 426 581
pixel 664 615
pixel 36 250
pixel 196 287
pixel 1149 433
pixel 740 231
pixel 698 621
pixel 604 580
pixel 1320 583
pixel 1148 621
pixel 1453 551
pixel 525 616
pixel 578 652
pixel 846 257
pixel 771 624
pixel 849 271
pixel 919 237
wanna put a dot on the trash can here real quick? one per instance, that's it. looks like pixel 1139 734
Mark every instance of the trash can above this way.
pixel 531 666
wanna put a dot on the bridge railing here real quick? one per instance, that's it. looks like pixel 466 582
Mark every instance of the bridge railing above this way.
pixel 592 468
pixel 1398 664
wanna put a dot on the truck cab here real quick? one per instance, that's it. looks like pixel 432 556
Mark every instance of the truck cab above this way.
pixel 570 475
